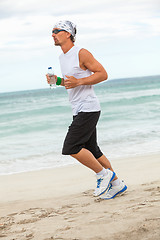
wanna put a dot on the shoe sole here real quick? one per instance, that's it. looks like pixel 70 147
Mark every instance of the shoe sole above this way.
pixel 121 191
pixel 113 176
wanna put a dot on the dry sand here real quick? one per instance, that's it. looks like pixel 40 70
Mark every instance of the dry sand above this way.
pixel 58 204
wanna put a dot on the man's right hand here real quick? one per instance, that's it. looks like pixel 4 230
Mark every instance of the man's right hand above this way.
pixel 51 80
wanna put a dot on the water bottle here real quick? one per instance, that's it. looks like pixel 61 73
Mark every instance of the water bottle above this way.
pixel 52 78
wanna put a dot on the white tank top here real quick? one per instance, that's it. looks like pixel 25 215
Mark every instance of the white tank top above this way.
pixel 82 98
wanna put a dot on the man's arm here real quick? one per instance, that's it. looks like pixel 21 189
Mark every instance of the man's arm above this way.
pixel 87 61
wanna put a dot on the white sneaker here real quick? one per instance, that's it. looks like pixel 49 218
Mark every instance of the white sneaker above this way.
pixel 103 182
pixel 114 190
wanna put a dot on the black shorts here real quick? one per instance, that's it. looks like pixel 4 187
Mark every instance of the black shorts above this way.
pixel 82 134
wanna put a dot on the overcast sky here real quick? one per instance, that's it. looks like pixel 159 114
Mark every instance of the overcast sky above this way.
pixel 124 35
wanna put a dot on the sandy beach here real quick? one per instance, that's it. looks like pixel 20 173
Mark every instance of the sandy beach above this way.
pixel 58 203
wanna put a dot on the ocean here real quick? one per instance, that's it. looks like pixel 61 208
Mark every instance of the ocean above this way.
pixel 33 123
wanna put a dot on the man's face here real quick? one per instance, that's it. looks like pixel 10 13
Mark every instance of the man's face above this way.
pixel 59 36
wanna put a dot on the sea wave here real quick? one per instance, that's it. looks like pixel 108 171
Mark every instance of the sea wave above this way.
pixel 33 124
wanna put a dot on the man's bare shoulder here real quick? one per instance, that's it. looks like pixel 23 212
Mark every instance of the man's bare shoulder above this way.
pixel 84 52
pixel 85 55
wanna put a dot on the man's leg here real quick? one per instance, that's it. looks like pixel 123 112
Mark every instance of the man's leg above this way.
pixel 104 176
pixel 86 158
pixel 106 163
pixel 93 147
pixel 117 186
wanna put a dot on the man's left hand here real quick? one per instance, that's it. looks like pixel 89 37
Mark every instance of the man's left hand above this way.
pixel 71 82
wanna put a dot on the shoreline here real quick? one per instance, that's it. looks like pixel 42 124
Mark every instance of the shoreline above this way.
pixel 57 203
pixel 115 159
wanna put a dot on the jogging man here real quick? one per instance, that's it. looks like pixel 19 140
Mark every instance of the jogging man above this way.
pixel 80 72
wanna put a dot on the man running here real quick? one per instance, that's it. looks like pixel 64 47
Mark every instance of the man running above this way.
pixel 80 72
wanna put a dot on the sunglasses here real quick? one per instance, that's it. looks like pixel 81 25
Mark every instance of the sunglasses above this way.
pixel 55 31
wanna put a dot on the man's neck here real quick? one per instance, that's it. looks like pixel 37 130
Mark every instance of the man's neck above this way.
pixel 66 47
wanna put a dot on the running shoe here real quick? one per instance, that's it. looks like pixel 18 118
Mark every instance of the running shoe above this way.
pixel 113 191
pixel 103 182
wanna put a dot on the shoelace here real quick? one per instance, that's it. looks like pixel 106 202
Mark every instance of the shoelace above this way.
pixel 99 182
pixel 110 187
